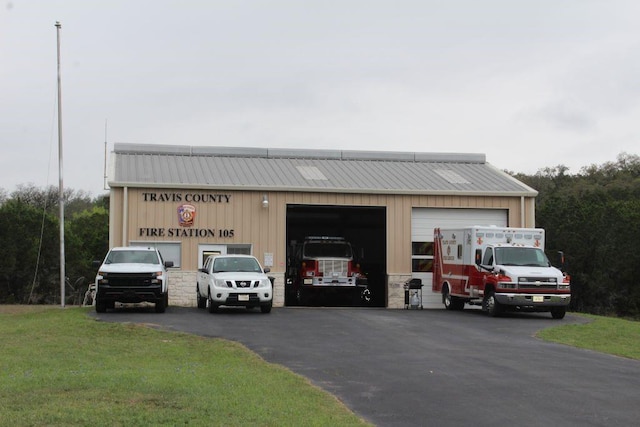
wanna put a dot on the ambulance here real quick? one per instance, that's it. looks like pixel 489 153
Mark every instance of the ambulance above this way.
pixel 500 268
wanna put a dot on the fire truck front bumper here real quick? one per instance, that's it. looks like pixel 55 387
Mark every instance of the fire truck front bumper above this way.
pixel 533 300
pixel 336 282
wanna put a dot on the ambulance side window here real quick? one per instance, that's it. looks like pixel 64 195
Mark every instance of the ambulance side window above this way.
pixel 488 257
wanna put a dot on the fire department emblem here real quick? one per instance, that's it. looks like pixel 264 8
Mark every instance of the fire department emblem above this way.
pixel 186 215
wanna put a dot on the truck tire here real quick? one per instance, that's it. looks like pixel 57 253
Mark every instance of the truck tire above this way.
pixel 365 296
pixel 558 312
pixel 101 306
pixel 211 306
pixel 451 302
pixel 202 301
pixel 266 308
pixel 490 305
pixel 161 304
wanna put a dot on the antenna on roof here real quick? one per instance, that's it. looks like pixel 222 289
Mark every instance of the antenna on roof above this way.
pixel 105 156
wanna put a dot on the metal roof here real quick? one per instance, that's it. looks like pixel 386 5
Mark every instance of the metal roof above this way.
pixel 334 171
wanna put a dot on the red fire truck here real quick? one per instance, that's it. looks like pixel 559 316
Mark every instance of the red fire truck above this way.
pixel 321 266
pixel 500 268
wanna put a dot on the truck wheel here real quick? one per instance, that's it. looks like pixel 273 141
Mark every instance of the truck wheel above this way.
pixel 101 306
pixel 161 304
pixel 558 312
pixel 446 298
pixel 266 308
pixel 490 305
pixel 211 306
pixel 202 301
pixel 451 302
pixel 366 296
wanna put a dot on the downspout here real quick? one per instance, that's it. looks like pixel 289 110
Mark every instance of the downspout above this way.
pixel 125 215
pixel 112 218
pixel 523 217
pixel 533 211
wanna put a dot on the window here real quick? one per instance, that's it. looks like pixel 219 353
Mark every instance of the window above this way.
pixel 529 257
pixel 488 257
pixel 170 251
pixel 206 250
pixel 239 249
pixel 235 264
pixel 327 250
pixel 422 257
pixel 132 256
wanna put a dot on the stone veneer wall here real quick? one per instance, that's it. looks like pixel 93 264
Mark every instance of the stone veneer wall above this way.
pixel 182 288
pixel 395 290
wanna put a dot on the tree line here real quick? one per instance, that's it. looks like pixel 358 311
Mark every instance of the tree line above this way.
pixel 30 244
pixel 593 216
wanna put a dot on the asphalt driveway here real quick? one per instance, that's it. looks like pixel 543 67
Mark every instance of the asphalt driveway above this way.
pixel 429 367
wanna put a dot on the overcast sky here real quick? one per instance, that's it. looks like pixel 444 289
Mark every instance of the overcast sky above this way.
pixel 530 83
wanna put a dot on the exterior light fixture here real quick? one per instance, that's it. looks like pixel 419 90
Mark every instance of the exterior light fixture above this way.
pixel 265 201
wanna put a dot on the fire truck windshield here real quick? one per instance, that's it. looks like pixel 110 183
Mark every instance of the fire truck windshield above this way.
pixel 529 257
pixel 327 250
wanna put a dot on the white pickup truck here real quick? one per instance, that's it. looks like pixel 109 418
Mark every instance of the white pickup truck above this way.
pixel 234 280
pixel 130 275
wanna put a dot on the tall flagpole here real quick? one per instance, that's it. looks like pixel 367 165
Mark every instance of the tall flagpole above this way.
pixel 60 169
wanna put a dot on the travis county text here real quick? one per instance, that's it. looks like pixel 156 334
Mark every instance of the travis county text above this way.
pixel 188 197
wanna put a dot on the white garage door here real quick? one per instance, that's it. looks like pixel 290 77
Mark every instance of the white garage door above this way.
pixel 424 220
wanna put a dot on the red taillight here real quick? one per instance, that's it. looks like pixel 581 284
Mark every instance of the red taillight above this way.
pixel 309 269
pixel 352 268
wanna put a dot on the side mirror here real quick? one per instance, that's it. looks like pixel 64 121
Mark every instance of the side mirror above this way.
pixel 168 264
pixel 96 263
pixel 478 259
pixel 267 269
pixel 561 255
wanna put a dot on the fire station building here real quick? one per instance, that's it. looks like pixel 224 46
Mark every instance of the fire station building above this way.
pixel 191 202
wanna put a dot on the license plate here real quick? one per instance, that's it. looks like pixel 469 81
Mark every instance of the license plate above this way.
pixel 243 297
pixel 538 298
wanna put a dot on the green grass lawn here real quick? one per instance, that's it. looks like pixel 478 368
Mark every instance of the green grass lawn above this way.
pixel 605 334
pixel 60 367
